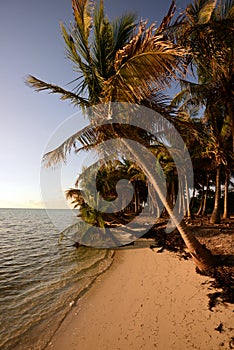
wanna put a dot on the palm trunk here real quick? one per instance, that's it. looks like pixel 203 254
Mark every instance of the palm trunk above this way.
pixel 205 201
pixel 135 201
pixel 202 257
pixel 206 195
pixel 180 202
pixel 215 217
pixel 202 201
pixel 225 208
pixel 153 200
pixel 184 204
pixel 192 199
pixel 231 115
pixel 233 135
pixel 187 198
pixel 173 194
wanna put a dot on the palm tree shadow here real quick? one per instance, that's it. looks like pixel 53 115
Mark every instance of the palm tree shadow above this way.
pixel 225 260
pixel 205 231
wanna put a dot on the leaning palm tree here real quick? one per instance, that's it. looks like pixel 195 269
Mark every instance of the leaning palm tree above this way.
pixel 117 65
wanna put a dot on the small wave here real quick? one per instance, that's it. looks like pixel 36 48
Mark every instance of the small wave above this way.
pixel 39 278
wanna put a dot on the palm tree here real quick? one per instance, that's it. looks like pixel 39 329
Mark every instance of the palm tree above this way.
pixel 91 44
pixel 106 54
pixel 105 181
pixel 135 70
pixel 207 31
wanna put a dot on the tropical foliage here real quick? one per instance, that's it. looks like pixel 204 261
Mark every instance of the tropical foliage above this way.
pixel 126 61
pixel 206 30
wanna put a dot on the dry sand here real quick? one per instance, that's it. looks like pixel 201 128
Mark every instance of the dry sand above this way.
pixel 146 301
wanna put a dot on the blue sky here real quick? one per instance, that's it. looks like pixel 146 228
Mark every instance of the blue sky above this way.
pixel 31 43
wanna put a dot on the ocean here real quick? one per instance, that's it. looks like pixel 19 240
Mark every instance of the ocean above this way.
pixel 40 277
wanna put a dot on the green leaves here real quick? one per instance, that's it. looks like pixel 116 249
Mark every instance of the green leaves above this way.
pixel 103 44
pixel 146 64
pixel 40 85
pixel 80 140
pixel 123 28
pixel 206 11
pixel 82 10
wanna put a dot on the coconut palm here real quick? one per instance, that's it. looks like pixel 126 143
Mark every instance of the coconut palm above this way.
pixel 216 134
pixel 105 181
pixel 92 42
pixel 135 70
pixel 207 31
pixel 106 54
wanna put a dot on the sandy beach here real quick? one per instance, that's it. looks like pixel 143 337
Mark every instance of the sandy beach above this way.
pixel 147 301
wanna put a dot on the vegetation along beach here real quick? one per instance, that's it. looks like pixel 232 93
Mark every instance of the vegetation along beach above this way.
pixel 140 254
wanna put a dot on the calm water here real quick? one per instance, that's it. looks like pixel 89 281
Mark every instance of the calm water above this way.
pixel 39 277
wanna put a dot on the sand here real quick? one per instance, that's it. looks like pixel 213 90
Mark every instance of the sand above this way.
pixel 146 301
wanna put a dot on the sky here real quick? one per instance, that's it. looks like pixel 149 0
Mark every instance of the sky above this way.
pixel 31 43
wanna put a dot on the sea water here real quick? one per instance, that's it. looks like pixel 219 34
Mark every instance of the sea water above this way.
pixel 40 277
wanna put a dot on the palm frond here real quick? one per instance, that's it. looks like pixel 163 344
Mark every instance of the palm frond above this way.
pixel 193 10
pixel 85 137
pixel 40 85
pixel 71 51
pixel 167 19
pixel 75 195
pixel 74 52
pixel 103 41
pixel 77 40
pixel 123 28
pixel 180 97
pixel 82 10
pixel 199 91
pixel 225 9
pixel 226 130
pixel 145 64
pixel 206 11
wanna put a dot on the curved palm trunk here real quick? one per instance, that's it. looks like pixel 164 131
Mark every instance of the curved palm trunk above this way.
pixel 202 257
pixel 215 216
pixel 225 209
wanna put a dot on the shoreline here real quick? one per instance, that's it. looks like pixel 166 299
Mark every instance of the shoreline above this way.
pixel 146 300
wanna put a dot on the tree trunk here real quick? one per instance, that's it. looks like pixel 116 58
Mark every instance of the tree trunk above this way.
pixel 135 201
pixel 202 257
pixel 202 200
pixel 184 204
pixel 215 217
pixel 187 198
pixel 153 201
pixel 231 115
pixel 206 195
pixel 180 202
pixel 192 199
pixel 225 204
pixel 233 135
